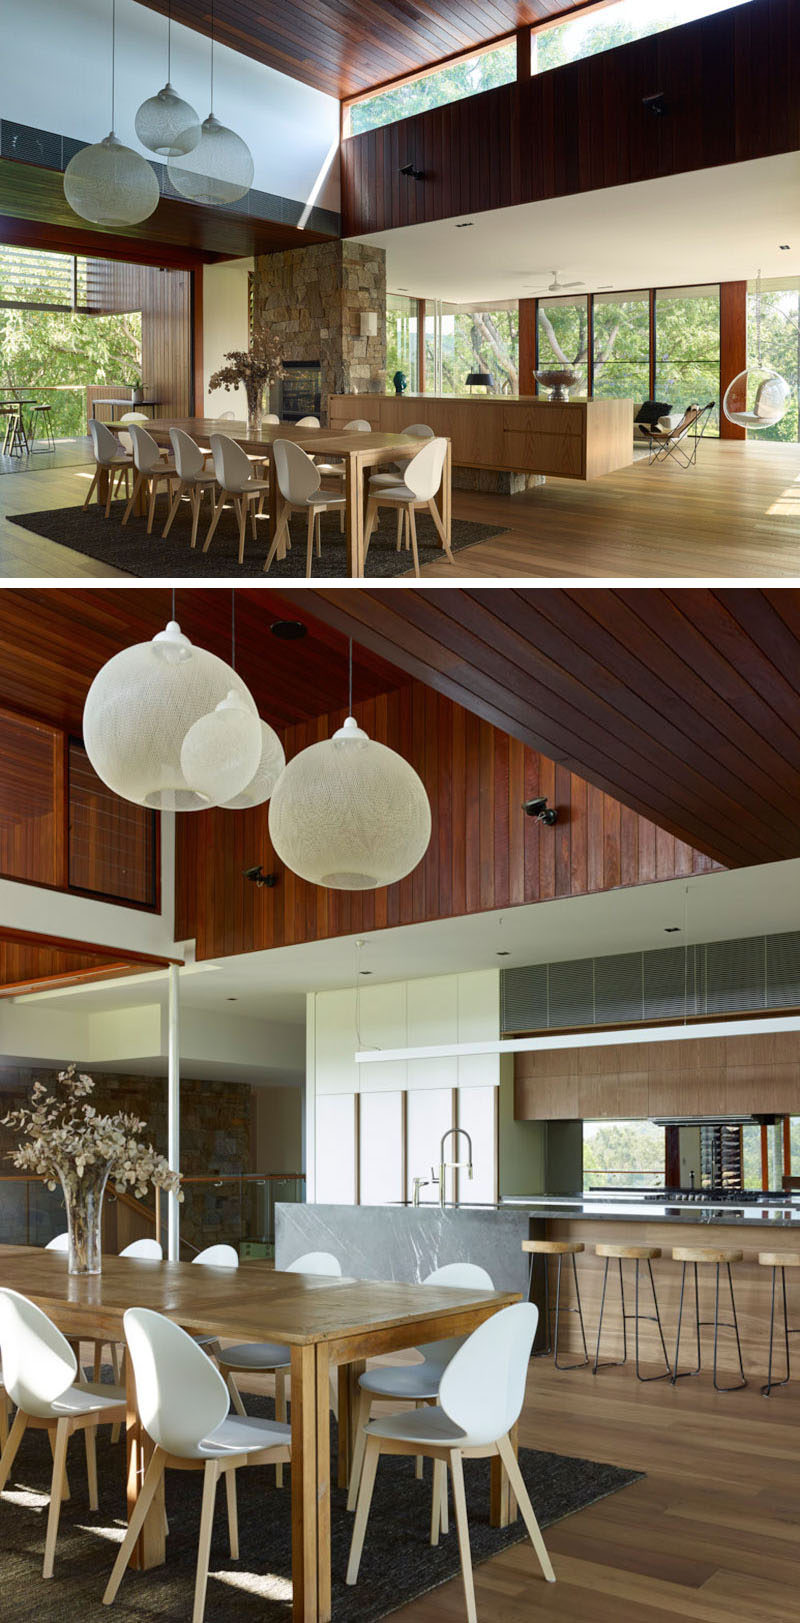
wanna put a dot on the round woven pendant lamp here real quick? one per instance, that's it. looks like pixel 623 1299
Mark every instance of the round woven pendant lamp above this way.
pixel 267 773
pixel 350 814
pixel 110 184
pixel 167 124
pixel 219 169
pixel 221 751
pixel 139 709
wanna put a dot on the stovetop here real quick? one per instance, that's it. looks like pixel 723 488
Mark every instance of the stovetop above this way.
pixel 720 1197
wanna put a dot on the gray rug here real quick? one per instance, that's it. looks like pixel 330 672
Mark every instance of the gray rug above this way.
pixel 398 1563
pixel 132 550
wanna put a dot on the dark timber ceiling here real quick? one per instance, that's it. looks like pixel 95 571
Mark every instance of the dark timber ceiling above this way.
pixel 683 704
pixel 346 46
pixel 53 642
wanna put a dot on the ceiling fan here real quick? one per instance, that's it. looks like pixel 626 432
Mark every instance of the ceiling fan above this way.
pixel 557 286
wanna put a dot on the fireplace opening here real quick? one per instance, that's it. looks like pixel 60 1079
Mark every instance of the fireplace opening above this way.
pixel 300 390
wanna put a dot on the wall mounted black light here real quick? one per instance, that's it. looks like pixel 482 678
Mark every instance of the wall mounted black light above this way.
pixel 657 105
pixel 257 877
pixel 411 173
pixel 540 810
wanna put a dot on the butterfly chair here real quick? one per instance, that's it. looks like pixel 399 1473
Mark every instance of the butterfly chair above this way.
pixel 184 1407
pixel 481 1395
pixel 39 1373
pixel 416 489
pixel 109 458
pixel 413 1383
pixel 299 483
pixel 681 440
pixel 272 1357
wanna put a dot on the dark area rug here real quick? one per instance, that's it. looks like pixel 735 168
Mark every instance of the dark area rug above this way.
pixel 398 1563
pixel 131 549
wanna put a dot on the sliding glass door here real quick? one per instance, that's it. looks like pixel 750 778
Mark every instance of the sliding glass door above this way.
pixel 621 335
pixel 687 348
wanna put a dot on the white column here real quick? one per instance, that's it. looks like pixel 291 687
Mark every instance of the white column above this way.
pixel 174 1108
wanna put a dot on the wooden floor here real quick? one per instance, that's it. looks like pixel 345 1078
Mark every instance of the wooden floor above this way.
pixel 712 1534
pixel 737 514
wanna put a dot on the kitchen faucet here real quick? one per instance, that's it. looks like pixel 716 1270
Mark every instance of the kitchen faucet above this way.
pixel 451 1166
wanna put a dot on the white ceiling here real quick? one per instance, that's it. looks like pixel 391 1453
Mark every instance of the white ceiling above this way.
pixel 271 986
pixel 712 225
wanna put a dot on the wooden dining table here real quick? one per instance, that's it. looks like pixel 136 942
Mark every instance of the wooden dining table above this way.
pixel 327 1323
pixel 360 453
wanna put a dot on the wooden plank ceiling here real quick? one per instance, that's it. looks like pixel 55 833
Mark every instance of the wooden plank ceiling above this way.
pixel 53 642
pixel 32 963
pixel 684 704
pixel 347 46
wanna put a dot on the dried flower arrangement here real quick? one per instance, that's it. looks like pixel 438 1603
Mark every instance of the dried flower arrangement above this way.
pixel 69 1143
pixel 254 368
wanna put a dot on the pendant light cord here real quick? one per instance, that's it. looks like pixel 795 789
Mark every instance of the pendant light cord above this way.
pixel 350 677
pixel 758 316
pixel 233 628
pixel 212 58
pixel 113 56
pixel 169 40
pixel 173 602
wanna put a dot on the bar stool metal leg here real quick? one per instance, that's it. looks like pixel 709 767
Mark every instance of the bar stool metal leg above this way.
pixel 580 1362
pixel 735 1327
pixel 787 1332
pixel 654 1318
pixel 612 1363
pixel 677 1374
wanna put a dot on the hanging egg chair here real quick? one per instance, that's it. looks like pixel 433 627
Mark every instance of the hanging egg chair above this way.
pixel 759 397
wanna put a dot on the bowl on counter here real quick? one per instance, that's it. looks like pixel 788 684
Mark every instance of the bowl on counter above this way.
pixel 559 381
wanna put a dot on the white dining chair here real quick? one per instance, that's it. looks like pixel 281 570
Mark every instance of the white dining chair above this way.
pixel 481 1395
pixel 39 1375
pixel 308 422
pixel 152 470
pixel 380 481
pixel 148 1250
pixel 193 477
pixel 421 482
pixel 59 1242
pixel 214 1256
pixel 109 457
pixel 237 483
pixel 184 1407
pixel 338 470
pixel 412 1383
pixel 300 486
pixel 272 1357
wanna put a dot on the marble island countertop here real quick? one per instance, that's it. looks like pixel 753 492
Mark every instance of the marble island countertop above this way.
pixel 579 1207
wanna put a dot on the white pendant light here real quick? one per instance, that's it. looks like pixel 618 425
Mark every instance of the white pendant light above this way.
pixel 109 183
pixel 221 750
pixel 349 813
pixel 220 168
pixel 267 773
pixel 139 709
pixel 165 123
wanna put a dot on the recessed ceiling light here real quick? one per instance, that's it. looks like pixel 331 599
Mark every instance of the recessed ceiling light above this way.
pixel 288 630
pixel 463 225
pixel 503 955
pixel 232 1000
pixel 365 972
pixel 672 929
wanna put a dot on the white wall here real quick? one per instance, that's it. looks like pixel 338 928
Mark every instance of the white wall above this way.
pixel 444 1009
pixel 224 328
pixel 55 73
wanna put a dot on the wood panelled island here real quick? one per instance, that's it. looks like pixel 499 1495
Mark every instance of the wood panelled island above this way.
pixel 508 434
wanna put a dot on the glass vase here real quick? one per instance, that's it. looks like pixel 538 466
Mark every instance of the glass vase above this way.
pixel 83 1198
pixel 255 412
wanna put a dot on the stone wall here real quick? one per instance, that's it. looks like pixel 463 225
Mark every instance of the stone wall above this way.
pixel 313 299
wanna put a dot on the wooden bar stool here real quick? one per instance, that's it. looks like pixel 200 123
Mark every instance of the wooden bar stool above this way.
pixel 637 1254
pixel 561 1249
pixel 779 1260
pixel 696 1256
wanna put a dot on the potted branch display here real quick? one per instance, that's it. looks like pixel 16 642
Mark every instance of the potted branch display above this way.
pixel 254 368
pixel 68 1142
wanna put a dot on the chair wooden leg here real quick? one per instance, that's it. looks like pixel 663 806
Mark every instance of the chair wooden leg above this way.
pixel 371 1457
pixel 419 1469
pixel 400 526
pixel 9 1453
pixel 516 1479
pixel 56 1494
pixel 233 1514
pixel 98 1355
pixel 3 1420
pixel 93 486
pixel 252 506
pixel 242 512
pixel 462 1525
pixel 197 496
pixel 281 533
pixel 109 492
pixel 362 1416
pixel 215 520
pixel 413 528
pixel 318 530
pixel 153 1475
pixel 236 1397
pixel 51 1438
pixel 151 510
pixel 173 510
pixel 137 485
pixel 437 519
pixel 280 1414
pixel 369 523
pixel 310 541
pixel 210 1476
pixel 90 1440
pixel 439 1501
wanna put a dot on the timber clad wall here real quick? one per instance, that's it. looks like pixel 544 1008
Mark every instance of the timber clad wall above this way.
pixel 484 852
pixel 164 298
pixel 730 84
